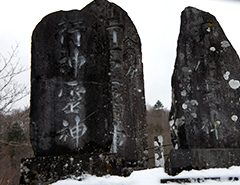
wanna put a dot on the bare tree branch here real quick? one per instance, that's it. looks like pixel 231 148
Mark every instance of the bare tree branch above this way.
pixel 10 90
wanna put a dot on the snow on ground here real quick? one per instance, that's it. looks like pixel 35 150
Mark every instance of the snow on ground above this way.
pixel 153 176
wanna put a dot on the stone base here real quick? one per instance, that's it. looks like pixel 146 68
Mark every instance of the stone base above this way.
pixel 47 170
pixel 198 159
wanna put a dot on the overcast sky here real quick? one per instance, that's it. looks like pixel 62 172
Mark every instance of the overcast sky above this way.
pixel 157 22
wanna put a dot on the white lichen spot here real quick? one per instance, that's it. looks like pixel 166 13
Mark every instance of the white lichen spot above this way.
pixel 139 90
pixel 226 75
pixel 186 69
pixel 225 44
pixel 181 56
pixel 194 115
pixel 234 118
pixel 184 106
pixel 208 29
pixel 194 102
pixel 212 48
pixel 180 122
pixel 234 84
pixel 184 93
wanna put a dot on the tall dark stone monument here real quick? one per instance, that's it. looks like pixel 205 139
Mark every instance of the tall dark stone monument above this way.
pixel 204 117
pixel 126 79
pixel 70 93
pixel 87 95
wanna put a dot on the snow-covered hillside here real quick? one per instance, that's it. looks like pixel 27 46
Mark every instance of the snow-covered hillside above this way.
pixel 153 176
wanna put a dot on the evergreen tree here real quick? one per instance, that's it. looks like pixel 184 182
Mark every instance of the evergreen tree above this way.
pixel 16 134
pixel 158 105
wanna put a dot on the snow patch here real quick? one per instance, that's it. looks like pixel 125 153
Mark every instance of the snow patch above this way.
pixel 153 176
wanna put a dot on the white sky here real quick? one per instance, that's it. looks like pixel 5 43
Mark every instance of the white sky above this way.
pixel 157 22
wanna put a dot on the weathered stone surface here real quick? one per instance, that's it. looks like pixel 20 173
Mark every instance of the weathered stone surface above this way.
pixel 87 84
pixel 126 76
pixel 71 108
pixel 49 169
pixel 205 85
pixel 188 159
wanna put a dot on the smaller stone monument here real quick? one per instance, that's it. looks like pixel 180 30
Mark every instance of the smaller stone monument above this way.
pixel 204 117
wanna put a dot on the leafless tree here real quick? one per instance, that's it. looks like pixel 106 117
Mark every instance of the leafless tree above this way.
pixel 10 90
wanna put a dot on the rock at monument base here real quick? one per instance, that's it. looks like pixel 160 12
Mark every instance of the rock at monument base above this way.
pixel 49 169
pixel 198 159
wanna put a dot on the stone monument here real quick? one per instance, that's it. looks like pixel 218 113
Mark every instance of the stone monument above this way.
pixel 126 80
pixel 204 117
pixel 70 93
pixel 87 95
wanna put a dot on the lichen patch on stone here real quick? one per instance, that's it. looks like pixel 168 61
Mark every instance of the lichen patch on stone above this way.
pixel 226 75
pixel 225 44
pixel 234 84
pixel 212 48
pixel 184 93
pixel 184 106
pixel 234 118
